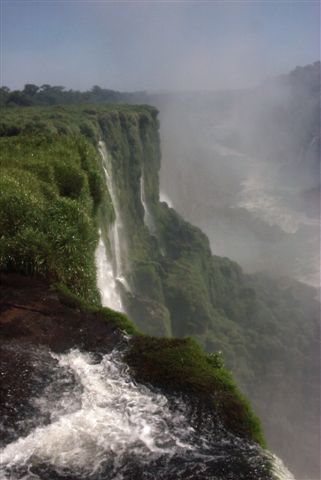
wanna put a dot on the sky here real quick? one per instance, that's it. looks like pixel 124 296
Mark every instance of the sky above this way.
pixel 155 45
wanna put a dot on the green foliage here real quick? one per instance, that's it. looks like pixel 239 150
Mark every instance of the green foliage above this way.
pixel 21 204
pixel 70 299
pixel 116 319
pixel 51 186
pixel 180 365
pixel 215 359
pixel 69 179
pixel 145 277
pixel 58 95
pixel 53 196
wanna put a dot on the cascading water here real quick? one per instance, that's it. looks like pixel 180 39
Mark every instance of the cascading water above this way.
pixel 279 470
pixel 117 227
pixel 106 282
pixel 148 218
pixel 100 418
pixel 93 421
pixel 116 231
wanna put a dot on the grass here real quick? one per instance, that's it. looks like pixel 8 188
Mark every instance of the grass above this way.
pixel 180 365
pixel 116 319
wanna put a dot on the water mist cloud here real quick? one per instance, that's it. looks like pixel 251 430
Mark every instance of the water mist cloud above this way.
pixel 156 45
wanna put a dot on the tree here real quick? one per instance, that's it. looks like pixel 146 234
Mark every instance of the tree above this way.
pixel 30 89
pixel 4 95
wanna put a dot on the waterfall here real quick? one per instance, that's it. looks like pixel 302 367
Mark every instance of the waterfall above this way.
pixel 148 218
pixel 279 469
pixel 116 231
pixel 116 228
pixel 106 282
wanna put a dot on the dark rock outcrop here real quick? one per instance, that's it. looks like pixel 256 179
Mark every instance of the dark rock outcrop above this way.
pixel 33 323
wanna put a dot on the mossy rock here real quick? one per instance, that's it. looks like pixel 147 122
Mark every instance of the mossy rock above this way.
pixel 117 320
pixel 181 366
pixel 150 316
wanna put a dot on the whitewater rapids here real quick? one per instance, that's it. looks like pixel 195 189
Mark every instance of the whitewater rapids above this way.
pixel 98 418
pixel 94 422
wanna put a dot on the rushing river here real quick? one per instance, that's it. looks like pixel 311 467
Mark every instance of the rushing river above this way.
pixel 92 421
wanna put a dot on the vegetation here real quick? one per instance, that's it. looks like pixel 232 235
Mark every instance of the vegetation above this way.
pixel 34 95
pixel 52 193
pixel 53 196
pixel 180 365
pixel 115 319
pixel 47 222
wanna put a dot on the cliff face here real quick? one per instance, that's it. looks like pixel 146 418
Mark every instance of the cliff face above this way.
pixel 268 330
pixel 174 286
pixel 54 352
pixel 62 353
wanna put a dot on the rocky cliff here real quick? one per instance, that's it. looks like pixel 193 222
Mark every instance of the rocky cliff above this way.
pixel 54 200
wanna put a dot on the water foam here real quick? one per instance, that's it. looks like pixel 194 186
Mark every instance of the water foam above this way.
pixel 264 203
pixel 279 470
pixel 106 416
pixel 106 282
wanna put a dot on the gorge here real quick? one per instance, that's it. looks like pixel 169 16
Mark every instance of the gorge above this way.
pixel 80 185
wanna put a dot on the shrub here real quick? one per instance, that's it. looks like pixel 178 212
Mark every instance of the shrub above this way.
pixel 69 179
pixel 21 203
pixel 180 365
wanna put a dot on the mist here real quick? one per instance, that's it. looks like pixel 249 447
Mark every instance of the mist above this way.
pixel 154 46
pixel 244 166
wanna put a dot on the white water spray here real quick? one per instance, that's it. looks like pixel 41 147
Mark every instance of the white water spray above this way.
pixel 263 202
pixel 117 229
pixel 163 197
pixel 106 282
pixel 99 422
pixel 148 218
pixel 106 416
pixel 279 470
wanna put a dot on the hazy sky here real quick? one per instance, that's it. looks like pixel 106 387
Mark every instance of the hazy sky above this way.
pixel 155 45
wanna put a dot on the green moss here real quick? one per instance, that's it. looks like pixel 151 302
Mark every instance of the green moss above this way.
pixel 116 319
pixel 180 365
pixel 70 299
pixel 58 193
pixel 150 316
pixel 51 186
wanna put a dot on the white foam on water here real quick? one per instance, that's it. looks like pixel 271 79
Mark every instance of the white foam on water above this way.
pixel 106 282
pixel 279 470
pixel 106 415
pixel 263 202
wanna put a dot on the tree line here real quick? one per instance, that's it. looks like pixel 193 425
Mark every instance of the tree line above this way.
pixel 32 95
